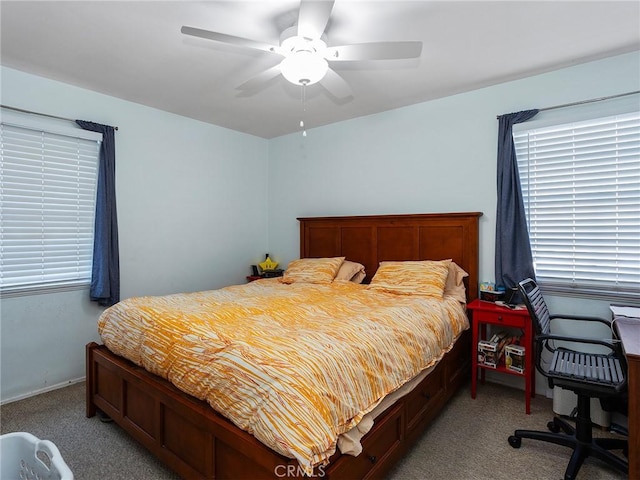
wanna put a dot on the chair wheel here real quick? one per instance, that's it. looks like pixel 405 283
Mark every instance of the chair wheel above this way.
pixel 514 441
pixel 553 427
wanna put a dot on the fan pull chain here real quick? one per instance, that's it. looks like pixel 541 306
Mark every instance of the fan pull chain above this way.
pixel 304 108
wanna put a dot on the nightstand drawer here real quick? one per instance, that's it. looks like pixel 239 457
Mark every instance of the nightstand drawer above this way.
pixel 506 319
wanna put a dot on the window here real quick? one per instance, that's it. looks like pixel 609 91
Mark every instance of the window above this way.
pixel 47 207
pixel 581 190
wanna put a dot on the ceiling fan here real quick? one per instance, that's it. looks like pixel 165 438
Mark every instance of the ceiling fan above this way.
pixel 306 52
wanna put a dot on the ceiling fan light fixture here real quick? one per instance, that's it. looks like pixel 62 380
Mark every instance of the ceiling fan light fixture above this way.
pixel 304 67
pixel 305 51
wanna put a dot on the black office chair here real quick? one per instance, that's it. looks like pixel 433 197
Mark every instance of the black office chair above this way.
pixel 589 375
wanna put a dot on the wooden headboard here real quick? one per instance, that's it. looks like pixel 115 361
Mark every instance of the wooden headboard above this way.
pixel 376 238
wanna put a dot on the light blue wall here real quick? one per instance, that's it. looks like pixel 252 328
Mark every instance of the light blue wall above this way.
pixel 437 156
pixel 193 204
pixel 192 214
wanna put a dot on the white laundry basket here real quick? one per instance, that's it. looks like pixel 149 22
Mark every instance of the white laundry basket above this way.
pixel 26 457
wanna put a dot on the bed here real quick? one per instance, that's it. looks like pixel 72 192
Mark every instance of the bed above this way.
pixel 196 442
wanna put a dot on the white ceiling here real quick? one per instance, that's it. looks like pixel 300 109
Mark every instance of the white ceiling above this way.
pixel 135 51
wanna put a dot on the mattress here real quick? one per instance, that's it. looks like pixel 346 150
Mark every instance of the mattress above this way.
pixel 294 365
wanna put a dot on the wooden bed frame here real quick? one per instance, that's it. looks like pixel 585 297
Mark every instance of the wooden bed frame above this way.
pixel 189 437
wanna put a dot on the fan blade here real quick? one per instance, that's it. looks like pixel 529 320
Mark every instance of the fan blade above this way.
pixel 224 38
pixel 260 79
pixel 336 85
pixel 313 17
pixel 374 51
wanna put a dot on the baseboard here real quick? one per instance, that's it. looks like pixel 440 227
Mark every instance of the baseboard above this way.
pixel 43 390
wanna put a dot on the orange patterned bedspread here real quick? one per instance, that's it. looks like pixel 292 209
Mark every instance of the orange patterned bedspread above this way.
pixel 294 365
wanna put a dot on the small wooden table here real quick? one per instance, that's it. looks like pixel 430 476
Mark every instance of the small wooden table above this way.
pixel 488 313
pixel 628 330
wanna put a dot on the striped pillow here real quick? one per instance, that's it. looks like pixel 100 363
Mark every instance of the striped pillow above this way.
pixel 312 270
pixel 426 278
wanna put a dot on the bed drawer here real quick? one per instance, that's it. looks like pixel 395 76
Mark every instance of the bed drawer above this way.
pixel 457 363
pixel 377 445
pixel 424 397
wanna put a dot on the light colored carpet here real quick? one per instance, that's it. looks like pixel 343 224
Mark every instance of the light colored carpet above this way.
pixel 467 441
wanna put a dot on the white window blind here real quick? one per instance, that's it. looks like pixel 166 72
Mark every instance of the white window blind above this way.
pixel 47 208
pixel 581 189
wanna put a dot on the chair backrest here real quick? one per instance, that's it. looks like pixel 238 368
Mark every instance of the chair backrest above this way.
pixel 536 305
pixel 594 375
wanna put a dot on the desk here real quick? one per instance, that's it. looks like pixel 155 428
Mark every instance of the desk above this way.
pixel 483 313
pixel 629 333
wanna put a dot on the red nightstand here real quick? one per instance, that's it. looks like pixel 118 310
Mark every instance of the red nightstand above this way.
pixel 488 313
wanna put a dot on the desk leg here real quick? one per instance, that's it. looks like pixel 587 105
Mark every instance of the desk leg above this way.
pixel 634 415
